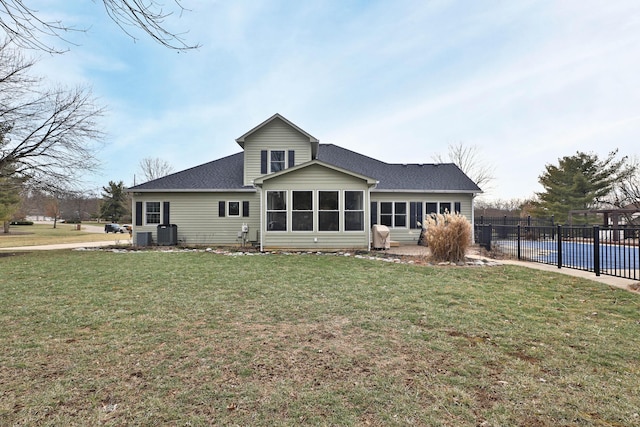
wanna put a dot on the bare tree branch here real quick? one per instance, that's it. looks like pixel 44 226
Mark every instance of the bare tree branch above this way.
pixel 467 158
pixel 153 168
pixel 50 135
pixel 25 28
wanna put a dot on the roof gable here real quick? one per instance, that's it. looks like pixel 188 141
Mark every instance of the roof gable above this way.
pixel 262 179
pixel 313 140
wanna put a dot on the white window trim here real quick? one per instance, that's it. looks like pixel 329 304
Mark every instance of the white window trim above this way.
pixel 340 211
pixel 393 213
pixel 145 212
pixel 285 162
pixel 229 209
pixel 286 210
pixel 314 204
pixel 363 210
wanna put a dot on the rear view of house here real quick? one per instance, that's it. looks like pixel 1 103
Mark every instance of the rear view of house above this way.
pixel 285 190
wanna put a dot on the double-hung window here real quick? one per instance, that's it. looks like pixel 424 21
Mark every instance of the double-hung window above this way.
pixel 152 211
pixel 277 160
pixel 393 214
pixel 328 211
pixel 353 210
pixel 276 210
pixel 302 211
pixel 400 214
pixel 386 214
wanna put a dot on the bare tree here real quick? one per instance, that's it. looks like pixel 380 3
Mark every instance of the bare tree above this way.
pixel 27 27
pixel 626 192
pixel 50 135
pixel 154 168
pixel 467 158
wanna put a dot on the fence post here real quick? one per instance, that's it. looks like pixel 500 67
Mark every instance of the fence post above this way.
pixel 559 246
pixel 596 250
pixel 519 241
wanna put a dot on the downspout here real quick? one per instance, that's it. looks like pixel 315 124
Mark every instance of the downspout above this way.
pixel 473 218
pixel 368 219
pixel 261 229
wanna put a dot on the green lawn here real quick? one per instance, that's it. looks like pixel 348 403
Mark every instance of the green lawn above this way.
pixel 153 338
pixel 45 234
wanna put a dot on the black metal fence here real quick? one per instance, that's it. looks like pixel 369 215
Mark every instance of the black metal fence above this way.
pixel 516 220
pixel 601 250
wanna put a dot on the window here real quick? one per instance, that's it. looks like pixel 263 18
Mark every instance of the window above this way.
pixel 386 214
pixel 302 211
pixel 234 208
pixel 457 208
pixel 328 213
pixel 400 214
pixel 276 210
pixel 393 214
pixel 353 210
pixel 415 215
pixel 445 207
pixel 277 160
pixel 153 213
pixel 432 208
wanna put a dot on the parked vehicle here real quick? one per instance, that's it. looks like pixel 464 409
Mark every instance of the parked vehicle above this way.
pixel 113 228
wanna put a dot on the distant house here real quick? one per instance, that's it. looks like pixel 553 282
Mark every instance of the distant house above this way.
pixel 286 190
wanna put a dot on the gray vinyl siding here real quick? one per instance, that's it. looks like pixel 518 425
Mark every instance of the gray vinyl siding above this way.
pixel 406 235
pixel 197 220
pixel 315 178
pixel 276 135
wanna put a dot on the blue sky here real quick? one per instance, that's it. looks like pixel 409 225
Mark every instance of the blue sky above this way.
pixel 525 81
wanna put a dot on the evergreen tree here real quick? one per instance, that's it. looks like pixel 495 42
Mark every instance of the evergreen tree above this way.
pixel 10 185
pixel 114 198
pixel 582 181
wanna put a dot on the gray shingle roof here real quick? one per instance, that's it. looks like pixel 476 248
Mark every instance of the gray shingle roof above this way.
pixel 222 174
pixel 436 177
pixel 227 174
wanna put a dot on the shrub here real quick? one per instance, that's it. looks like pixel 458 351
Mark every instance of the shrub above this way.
pixel 448 236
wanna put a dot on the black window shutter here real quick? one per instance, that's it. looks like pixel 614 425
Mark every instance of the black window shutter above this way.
pixel 263 162
pixel 245 208
pixel 374 213
pixel 138 213
pixel 221 208
pixel 292 158
pixel 165 213
pixel 457 207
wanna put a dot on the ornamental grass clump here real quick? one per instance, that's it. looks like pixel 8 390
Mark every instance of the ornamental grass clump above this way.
pixel 448 236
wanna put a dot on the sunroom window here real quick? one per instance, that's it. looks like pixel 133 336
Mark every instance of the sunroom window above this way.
pixel 353 210
pixel 276 210
pixel 328 213
pixel 302 211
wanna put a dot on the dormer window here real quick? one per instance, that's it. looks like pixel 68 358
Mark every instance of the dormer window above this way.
pixel 277 160
pixel 272 161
